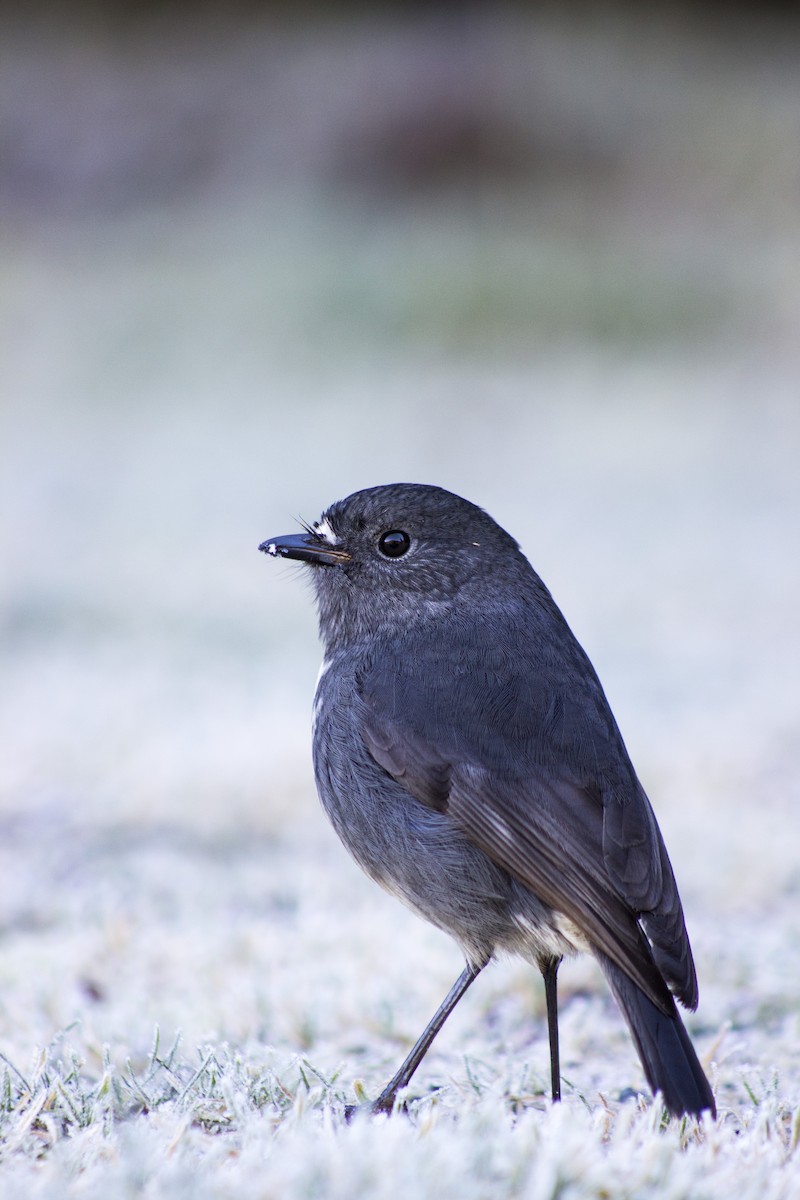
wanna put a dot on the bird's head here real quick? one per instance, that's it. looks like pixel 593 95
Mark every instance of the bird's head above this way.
pixel 390 556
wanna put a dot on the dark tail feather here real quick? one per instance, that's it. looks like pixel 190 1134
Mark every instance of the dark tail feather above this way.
pixel 667 1055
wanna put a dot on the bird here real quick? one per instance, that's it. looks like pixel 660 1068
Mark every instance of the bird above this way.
pixel 467 757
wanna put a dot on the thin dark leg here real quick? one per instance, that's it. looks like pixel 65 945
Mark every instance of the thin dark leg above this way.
pixel 385 1102
pixel 549 971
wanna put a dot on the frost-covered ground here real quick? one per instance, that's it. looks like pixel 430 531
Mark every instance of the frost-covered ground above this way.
pixel 194 979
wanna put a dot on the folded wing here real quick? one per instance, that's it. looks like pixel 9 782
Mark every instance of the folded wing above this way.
pixel 525 757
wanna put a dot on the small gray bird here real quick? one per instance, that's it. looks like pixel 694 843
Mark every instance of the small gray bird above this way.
pixel 468 759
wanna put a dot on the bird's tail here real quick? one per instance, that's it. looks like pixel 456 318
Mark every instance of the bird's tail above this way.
pixel 668 1057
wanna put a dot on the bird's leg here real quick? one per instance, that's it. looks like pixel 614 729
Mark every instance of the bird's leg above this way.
pixel 549 969
pixel 385 1102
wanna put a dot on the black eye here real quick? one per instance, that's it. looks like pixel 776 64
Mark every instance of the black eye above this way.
pixel 394 544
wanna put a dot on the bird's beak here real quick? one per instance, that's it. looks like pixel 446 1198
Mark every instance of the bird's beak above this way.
pixel 306 547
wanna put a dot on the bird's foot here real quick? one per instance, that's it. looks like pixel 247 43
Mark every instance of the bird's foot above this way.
pixel 383 1106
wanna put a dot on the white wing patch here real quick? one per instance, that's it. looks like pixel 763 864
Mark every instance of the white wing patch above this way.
pixel 326 662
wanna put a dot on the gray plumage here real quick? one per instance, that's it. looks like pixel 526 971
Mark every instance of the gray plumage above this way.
pixel 467 757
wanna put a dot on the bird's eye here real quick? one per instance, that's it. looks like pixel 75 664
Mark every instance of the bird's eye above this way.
pixel 394 544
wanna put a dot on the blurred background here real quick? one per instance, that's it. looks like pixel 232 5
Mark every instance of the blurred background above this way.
pixel 254 257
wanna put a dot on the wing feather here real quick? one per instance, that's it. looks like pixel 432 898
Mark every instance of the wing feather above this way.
pixel 531 766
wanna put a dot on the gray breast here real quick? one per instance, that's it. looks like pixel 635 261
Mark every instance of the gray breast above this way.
pixel 413 851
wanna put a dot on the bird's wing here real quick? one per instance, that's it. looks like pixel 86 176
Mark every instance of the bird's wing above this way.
pixel 532 768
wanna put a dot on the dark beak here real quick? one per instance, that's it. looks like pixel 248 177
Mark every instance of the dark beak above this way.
pixel 306 547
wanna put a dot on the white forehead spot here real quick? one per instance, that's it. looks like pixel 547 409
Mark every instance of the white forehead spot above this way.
pixel 272 549
pixel 324 530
